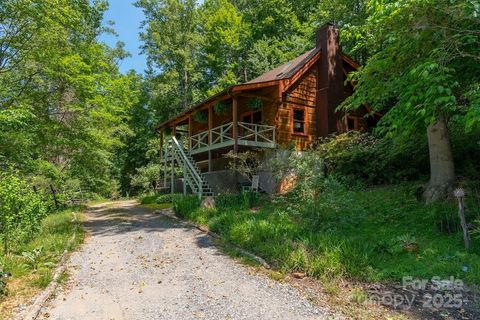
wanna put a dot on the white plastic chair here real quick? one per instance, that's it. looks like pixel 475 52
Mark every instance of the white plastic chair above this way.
pixel 255 184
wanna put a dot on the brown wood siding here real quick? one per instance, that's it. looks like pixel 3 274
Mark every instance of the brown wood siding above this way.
pixel 304 91
pixel 300 95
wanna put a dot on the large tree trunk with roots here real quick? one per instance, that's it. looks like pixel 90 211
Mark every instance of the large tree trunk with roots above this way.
pixel 442 170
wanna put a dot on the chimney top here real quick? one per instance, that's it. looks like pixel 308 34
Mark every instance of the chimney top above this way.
pixel 324 33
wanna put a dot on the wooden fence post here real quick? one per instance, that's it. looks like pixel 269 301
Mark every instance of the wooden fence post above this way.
pixel 460 195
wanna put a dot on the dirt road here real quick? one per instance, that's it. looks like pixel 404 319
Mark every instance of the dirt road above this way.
pixel 138 265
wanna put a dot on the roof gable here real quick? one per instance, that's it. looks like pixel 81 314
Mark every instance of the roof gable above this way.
pixel 287 69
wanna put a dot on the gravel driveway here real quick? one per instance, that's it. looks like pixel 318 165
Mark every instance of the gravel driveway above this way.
pixel 138 265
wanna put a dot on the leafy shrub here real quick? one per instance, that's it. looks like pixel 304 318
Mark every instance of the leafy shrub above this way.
pixel 373 160
pixel 465 149
pixel 146 177
pixel 21 209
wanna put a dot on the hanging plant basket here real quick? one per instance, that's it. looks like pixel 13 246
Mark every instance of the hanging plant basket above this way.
pixel 255 104
pixel 221 107
pixel 168 131
pixel 200 116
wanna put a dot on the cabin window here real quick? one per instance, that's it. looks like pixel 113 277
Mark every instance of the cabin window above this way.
pixel 350 124
pixel 299 123
pixel 353 123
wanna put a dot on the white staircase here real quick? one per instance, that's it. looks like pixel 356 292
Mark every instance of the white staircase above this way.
pixel 175 154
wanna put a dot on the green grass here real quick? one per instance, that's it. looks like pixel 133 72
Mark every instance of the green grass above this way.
pixel 382 234
pixel 157 206
pixel 156 198
pixel 158 201
pixel 53 238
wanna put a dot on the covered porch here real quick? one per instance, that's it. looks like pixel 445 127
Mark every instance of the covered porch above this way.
pixel 229 121
pixel 229 135
pixel 193 145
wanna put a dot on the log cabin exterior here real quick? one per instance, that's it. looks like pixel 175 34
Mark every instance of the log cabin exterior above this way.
pixel 290 106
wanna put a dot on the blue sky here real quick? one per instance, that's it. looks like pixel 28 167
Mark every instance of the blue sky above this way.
pixel 127 20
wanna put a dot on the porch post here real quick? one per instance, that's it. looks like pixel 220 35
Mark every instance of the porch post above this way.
pixel 210 127
pixel 161 144
pixel 172 174
pixel 165 164
pixel 162 157
pixel 189 132
pixel 235 123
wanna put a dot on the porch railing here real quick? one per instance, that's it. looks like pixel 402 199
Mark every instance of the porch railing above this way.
pixel 249 134
pixel 256 132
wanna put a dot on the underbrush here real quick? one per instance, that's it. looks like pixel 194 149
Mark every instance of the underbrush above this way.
pixel 158 201
pixel 381 234
pixel 158 198
pixel 32 263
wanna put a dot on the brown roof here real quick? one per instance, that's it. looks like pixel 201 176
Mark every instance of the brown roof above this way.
pixel 286 70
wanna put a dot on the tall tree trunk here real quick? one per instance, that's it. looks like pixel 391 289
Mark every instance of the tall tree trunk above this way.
pixel 54 194
pixel 186 97
pixel 442 170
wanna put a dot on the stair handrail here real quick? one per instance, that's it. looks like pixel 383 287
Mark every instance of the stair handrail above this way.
pixel 189 165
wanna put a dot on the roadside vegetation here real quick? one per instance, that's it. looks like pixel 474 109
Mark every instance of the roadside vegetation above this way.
pixel 157 201
pixel 31 260
pixel 379 234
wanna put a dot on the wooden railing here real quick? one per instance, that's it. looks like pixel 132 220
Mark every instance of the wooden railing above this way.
pixel 256 132
pixel 199 141
pixel 221 136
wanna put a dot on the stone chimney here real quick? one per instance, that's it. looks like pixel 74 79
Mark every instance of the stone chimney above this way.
pixel 330 90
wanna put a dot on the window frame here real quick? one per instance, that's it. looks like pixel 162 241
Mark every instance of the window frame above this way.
pixel 356 123
pixel 305 121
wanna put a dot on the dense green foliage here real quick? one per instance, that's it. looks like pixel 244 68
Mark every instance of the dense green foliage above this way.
pixel 379 234
pixel 364 159
pixel 64 104
pixel 33 261
pixel 425 62
pixel 21 210
pixel 71 121
pixel 196 50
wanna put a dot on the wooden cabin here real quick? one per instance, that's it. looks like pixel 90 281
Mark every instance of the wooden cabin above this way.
pixel 291 105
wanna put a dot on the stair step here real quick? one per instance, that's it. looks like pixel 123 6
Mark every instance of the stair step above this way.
pixel 193 170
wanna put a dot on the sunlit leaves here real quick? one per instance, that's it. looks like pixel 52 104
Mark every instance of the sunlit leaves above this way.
pixel 424 62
